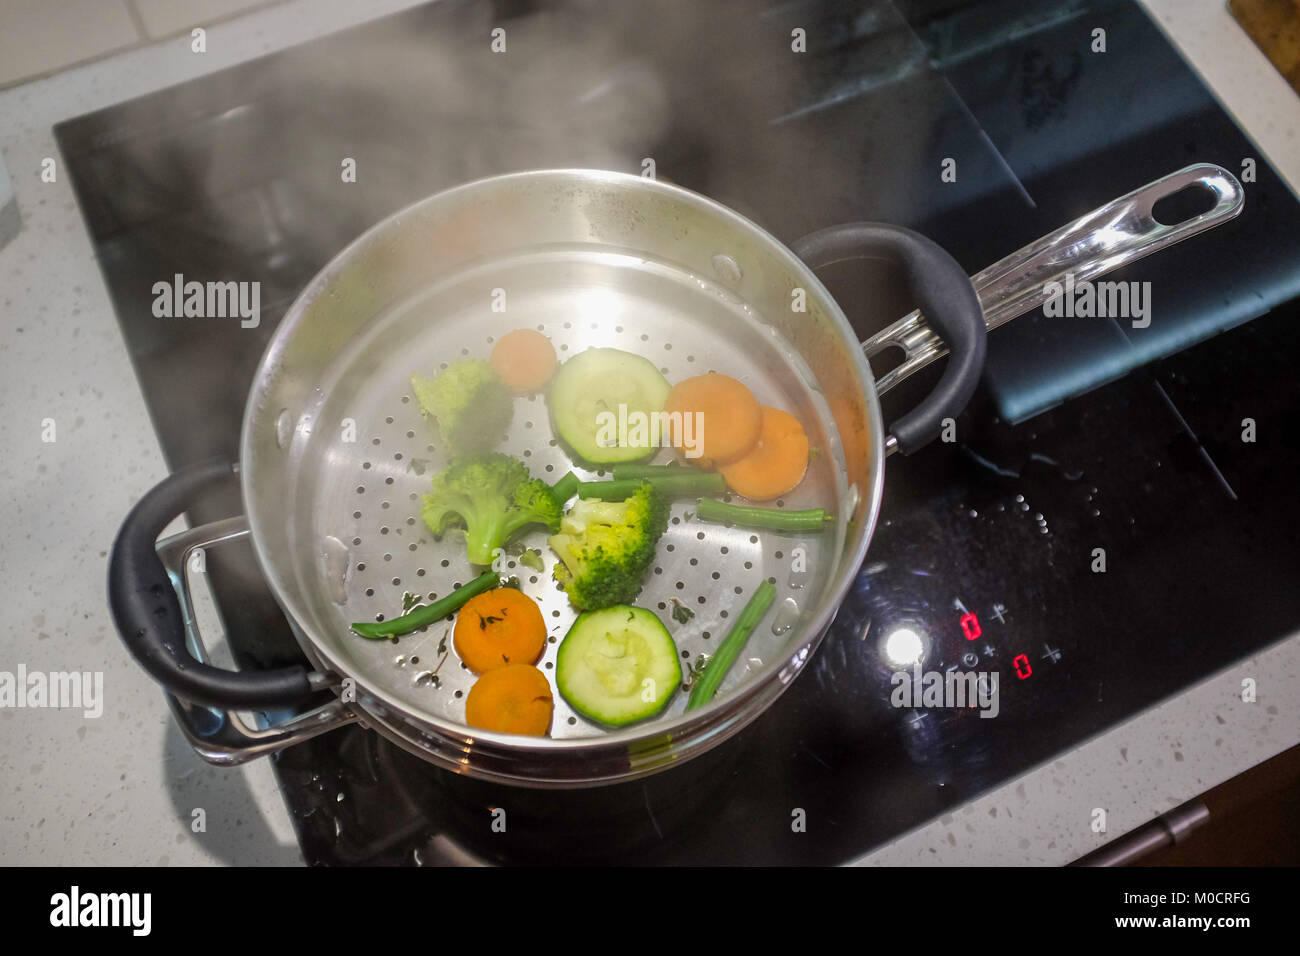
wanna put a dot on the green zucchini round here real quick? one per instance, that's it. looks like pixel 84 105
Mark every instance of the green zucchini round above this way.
pixel 618 665
pixel 599 388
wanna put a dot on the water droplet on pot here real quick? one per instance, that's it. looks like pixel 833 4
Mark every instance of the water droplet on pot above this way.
pixel 726 269
pixel 787 614
pixel 283 428
pixel 334 568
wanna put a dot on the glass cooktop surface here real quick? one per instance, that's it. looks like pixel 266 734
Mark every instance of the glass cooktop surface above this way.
pixel 1087 435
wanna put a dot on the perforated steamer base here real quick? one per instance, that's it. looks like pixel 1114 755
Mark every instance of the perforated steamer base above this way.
pixel 360 506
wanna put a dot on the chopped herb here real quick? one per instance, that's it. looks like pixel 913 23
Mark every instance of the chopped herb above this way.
pixel 512 582
pixel 409 601
pixel 442 644
pixel 681 613
pixel 437 681
pixel 418 465
pixel 515 548
pixel 483 622
pixel 695 670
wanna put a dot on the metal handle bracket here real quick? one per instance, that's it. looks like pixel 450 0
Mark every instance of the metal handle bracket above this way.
pixel 227 737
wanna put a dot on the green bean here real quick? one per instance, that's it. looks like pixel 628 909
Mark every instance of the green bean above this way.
pixel 624 471
pixel 429 613
pixel 769 519
pixel 706 685
pixel 565 487
pixel 690 485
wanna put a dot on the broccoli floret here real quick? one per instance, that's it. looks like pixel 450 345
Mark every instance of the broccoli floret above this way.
pixel 493 497
pixel 471 403
pixel 605 548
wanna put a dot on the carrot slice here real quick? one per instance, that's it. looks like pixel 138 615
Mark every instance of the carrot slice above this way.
pixel 512 700
pixel 777 462
pixel 727 417
pixel 524 359
pixel 499 627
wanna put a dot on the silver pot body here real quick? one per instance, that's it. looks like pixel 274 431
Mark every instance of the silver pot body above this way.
pixel 333 453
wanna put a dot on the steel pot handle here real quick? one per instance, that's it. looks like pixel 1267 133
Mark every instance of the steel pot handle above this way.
pixel 1114 235
pixel 148 616
pixel 939 285
pixel 227 737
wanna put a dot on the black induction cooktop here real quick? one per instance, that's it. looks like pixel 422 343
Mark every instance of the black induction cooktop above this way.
pixel 1170 450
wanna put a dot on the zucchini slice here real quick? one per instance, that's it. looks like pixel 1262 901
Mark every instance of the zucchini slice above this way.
pixel 618 665
pixel 594 391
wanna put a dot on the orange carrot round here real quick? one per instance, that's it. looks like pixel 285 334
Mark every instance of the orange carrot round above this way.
pixel 727 421
pixel 776 463
pixel 497 628
pixel 524 359
pixel 515 699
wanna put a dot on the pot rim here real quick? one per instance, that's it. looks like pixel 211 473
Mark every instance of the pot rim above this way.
pixel 676 730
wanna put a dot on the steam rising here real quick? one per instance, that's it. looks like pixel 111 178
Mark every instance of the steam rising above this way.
pixel 422 103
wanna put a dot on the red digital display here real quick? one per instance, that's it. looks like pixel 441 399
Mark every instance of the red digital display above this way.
pixel 970 626
pixel 1021 664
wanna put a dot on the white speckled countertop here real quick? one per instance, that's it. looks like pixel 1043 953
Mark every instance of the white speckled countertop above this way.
pixel 122 788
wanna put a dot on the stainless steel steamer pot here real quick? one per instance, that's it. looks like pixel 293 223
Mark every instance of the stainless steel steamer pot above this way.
pixel 593 258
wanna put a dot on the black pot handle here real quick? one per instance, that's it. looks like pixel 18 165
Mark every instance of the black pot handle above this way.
pixel 148 615
pixel 945 299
